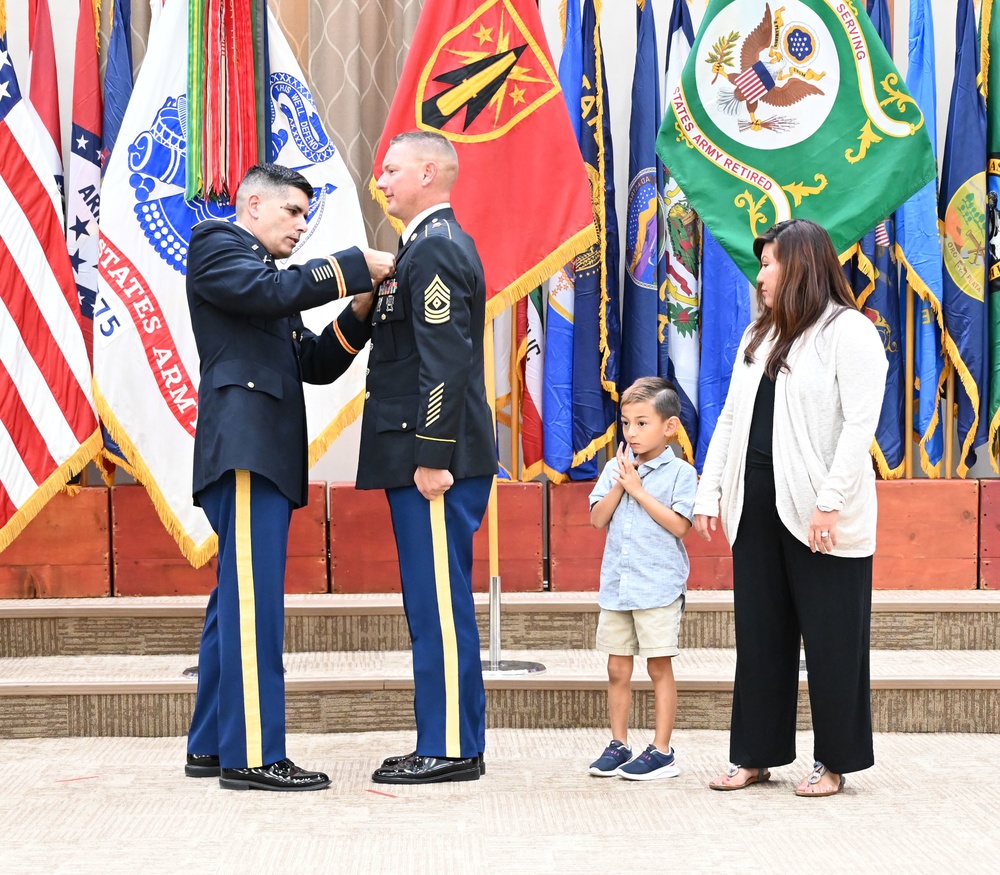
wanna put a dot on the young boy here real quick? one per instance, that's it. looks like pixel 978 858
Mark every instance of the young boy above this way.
pixel 646 499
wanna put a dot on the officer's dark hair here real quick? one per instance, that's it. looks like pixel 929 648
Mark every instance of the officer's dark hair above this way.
pixel 270 179
pixel 658 392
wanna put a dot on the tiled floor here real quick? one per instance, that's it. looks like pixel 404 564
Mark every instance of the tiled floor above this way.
pixel 123 806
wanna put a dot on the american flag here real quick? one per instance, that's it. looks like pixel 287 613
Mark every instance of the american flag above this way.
pixel 48 427
pixel 755 82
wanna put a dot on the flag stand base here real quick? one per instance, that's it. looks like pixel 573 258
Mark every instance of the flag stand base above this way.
pixel 495 665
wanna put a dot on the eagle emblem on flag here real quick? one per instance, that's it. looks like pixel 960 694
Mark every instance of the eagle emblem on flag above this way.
pixel 792 110
pixel 775 69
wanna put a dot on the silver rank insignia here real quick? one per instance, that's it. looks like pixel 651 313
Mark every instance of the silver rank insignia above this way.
pixel 437 302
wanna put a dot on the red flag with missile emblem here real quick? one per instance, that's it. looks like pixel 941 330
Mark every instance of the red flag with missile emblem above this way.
pixel 482 75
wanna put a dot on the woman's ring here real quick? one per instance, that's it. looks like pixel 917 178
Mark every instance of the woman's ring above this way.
pixel 824 534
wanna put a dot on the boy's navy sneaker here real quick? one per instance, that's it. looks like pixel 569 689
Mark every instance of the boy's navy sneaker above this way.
pixel 650 765
pixel 614 756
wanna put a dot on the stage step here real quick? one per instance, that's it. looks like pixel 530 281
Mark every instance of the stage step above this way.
pixel 901 620
pixel 340 691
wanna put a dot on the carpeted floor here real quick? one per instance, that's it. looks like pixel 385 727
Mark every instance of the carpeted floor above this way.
pixel 113 805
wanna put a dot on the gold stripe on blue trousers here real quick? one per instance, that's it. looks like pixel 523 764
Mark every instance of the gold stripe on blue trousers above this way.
pixel 449 640
pixel 248 621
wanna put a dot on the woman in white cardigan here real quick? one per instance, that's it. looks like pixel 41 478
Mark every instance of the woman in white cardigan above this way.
pixel 789 473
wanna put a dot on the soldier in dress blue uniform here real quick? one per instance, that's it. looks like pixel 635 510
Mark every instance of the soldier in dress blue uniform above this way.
pixel 427 438
pixel 251 456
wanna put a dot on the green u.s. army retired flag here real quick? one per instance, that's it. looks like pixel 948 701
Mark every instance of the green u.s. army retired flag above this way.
pixel 792 108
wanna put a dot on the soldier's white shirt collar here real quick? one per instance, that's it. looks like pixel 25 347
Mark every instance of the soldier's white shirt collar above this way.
pixel 420 217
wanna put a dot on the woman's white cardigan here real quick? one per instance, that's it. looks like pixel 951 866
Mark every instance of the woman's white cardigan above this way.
pixel 826 409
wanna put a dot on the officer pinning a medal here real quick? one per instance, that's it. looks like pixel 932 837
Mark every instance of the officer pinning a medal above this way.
pixel 251 455
pixel 427 439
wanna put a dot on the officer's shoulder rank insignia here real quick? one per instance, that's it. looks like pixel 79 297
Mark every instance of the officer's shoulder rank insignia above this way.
pixel 437 302
pixel 437 225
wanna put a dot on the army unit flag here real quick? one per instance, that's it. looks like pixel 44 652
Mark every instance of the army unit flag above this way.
pixel 48 427
pixel 481 74
pixel 145 359
pixel 792 110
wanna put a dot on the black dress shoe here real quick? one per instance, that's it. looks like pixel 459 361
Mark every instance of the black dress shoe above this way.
pixel 428 770
pixel 202 765
pixel 392 762
pixel 282 775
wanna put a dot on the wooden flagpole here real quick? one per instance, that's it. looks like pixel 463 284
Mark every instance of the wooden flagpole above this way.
pixel 908 384
pixel 515 399
pixel 949 424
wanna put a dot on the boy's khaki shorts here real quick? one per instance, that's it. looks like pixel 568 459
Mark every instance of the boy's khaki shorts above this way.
pixel 652 632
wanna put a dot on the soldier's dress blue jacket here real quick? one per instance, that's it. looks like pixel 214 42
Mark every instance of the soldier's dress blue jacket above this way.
pixel 251 465
pixel 425 405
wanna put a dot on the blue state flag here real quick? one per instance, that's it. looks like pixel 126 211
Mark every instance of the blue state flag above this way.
pixel 874 276
pixel 990 36
pixel 118 82
pixel 118 75
pixel 725 310
pixel 645 264
pixel 680 298
pixel 557 395
pixel 918 249
pixel 596 328
pixel 962 213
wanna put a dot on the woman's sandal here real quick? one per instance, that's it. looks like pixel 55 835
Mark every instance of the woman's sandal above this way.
pixel 760 777
pixel 814 778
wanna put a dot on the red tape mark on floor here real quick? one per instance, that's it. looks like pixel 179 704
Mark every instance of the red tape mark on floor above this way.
pixel 380 793
pixel 86 778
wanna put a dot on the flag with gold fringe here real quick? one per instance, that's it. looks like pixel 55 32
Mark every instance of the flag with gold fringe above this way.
pixel 874 276
pixel 792 109
pixel 962 216
pixel 481 73
pixel 48 427
pixel 596 324
pixel 531 374
pixel 557 388
pixel 118 75
pixel 83 179
pixel 680 296
pixel 145 359
pixel 990 35
pixel 918 249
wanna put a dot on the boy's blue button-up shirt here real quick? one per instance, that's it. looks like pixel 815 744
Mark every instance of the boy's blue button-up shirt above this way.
pixel 645 566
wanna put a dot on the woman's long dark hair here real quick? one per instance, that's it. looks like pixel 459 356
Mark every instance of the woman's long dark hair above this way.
pixel 811 279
